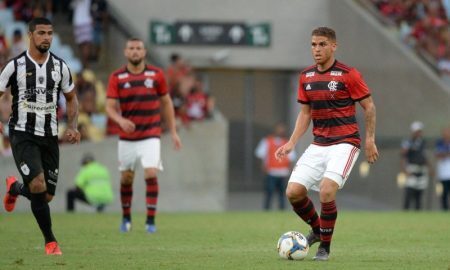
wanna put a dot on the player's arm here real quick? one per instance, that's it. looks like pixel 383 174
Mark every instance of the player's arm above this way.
pixel 169 116
pixel 112 110
pixel 5 76
pixel 301 125
pixel 370 120
pixel 72 133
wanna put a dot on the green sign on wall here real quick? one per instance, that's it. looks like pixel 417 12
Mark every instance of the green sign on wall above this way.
pixel 210 33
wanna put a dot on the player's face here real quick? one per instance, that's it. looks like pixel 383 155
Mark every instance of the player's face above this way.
pixel 41 38
pixel 135 52
pixel 322 49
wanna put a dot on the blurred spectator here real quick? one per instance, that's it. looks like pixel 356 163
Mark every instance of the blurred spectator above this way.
pixel 198 106
pixel 423 25
pixel 99 11
pixel 443 165
pixel 276 172
pixel 92 185
pixel 4 52
pixel 18 44
pixel 416 167
pixel 177 70
pixel 83 28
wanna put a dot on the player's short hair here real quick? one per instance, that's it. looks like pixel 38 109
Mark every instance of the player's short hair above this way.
pixel 324 32
pixel 37 21
pixel 135 39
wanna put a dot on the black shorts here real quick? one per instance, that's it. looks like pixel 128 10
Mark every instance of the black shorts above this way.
pixel 34 155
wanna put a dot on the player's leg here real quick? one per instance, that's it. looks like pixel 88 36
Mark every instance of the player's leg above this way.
pixel 328 215
pixel 14 188
pixel 150 154
pixel 306 174
pixel 49 157
pixel 126 197
pixel 341 159
pixel 127 162
pixel 151 197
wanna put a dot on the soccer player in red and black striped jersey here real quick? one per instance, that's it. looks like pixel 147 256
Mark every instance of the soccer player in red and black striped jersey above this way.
pixel 137 97
pixel 328 92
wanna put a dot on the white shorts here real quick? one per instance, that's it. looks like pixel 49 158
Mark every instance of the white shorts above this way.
pixel 334 162
pixel 148 151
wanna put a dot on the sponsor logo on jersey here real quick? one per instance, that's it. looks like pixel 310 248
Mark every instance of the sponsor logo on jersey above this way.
pixel 149 73
pixel 336 73
pixel 308 87
pixel 310 74
pixel 127 85
pixel 24 168
pixel 41 79
pixel 122 76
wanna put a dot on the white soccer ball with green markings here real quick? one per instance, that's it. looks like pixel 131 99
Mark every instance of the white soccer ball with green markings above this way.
pixel 293 246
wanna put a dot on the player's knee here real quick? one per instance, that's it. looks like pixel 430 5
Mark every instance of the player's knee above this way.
pixel 327 193
pixel 295 193
pixel 150 173
pixel 127 178
pixel 48 197
pixel 37 185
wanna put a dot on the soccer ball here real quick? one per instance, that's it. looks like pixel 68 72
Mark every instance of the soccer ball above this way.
pixel 293 246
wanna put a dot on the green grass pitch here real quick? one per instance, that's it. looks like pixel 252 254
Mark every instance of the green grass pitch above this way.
pixel 232 240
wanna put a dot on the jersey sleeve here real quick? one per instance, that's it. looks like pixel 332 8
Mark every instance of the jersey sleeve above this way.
pixel 161 84
pixel 67 84
pixel 358 88
pixel 113 90
pixel 5 76
pixel 301 94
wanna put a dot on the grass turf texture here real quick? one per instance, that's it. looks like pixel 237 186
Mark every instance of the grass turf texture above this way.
pixel 233 240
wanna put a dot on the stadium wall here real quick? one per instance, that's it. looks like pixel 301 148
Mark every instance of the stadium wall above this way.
pixel 194 179
pixel 291 22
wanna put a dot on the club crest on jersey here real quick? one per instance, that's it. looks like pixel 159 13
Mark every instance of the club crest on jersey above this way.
pixel 310 74
pixel 24 168
pixel 336 73
pixel 333 85
pixel 148 83
pixel 56 76
pixel 41 79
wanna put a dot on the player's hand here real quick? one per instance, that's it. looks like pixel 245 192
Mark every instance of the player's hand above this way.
pixel 127 126
pixel 371 152
pixel 176 141
pixel 72 135
pixel 283 151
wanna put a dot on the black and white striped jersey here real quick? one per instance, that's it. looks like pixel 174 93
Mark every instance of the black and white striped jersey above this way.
pixel 35 90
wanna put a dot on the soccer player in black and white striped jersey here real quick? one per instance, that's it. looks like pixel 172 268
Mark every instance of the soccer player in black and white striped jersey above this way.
pixel 36 78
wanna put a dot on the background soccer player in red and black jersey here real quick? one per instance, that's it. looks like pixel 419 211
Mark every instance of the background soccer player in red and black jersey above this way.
pixel 328 92
pixel 137 97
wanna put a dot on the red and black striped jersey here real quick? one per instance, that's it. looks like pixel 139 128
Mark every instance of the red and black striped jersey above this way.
pixel 138 96
pixel 332 95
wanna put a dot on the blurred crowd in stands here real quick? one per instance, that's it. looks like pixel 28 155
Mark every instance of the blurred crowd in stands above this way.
pixel 89 19
pixel 424 26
